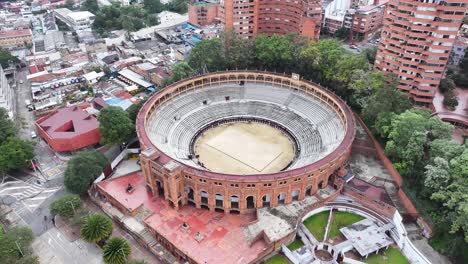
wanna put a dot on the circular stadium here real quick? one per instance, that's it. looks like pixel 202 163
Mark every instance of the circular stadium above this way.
pixel 240 140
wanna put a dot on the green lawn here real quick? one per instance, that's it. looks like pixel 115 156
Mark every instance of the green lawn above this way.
pixel 390 256
pixel 278 259
pixel 317 224
pixel 340 220
pixel 295 245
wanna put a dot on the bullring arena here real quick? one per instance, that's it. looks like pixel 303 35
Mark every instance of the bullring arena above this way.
pixel 236 141
pixel 237 166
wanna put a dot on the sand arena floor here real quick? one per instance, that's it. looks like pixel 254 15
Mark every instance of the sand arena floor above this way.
pixel 244 148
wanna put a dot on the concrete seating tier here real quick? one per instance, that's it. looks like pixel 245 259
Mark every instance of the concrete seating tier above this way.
pixel 315 127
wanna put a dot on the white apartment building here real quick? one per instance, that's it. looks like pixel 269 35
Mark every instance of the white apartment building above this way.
pixel 78 21
pixel 6 95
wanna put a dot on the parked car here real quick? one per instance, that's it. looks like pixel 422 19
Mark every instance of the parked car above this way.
pixel 33 134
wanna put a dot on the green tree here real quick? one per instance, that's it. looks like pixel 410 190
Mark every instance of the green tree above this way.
pixel 342 33
pixel 15 154
pixel 15 244
pixel 446 85
pixel 370 54
pixel 90 5
pixel 69 4
pixel 437 174
pixel 239 52
pixel 116 251
pixel 207 56
pixel 319 59
pixel 384 100
pixel 349 64
pixel 275 52
pixel 450 100
pixel 178 6
pixel 461 80
pixel 445 148
pixel 96 228
pixel 66 206
pixel 6 58
pixel 7 127
pixel 134 109
pixel 181 71
pixel 83 169
pixel 114 125
pixel 412 132
pixel 364 84
pixel 153 6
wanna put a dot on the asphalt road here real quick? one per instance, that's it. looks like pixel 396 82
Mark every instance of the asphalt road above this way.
pixel 54 248
pixel 23 92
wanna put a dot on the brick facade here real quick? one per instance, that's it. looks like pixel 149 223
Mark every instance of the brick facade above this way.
pixel 250 18
pixel 416 41
pixel 182 184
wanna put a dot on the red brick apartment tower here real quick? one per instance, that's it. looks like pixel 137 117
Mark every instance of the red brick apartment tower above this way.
pixel 251 17
pixel 201 14
pixel 417 37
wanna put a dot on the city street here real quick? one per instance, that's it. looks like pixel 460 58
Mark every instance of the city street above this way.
pixel 25 118
pixel 54 248
pixel 29 193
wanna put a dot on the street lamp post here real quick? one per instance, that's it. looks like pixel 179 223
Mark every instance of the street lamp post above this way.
pixel 73 207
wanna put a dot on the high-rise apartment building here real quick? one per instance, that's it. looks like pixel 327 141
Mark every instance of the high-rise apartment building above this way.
pixel 416 40
pixel 249 18
pixel 365 20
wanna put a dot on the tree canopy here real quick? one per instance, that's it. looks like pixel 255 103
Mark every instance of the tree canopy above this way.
pixel 115 126
pixel 96 228
pixel 116 251
pixel 90 5
pixel 83 169
pixel 134 109
pixel 15 246
pixel 15 153
pixel 342 33
pixel 6 58
pixel 66 206
pixel 7 127
pixel 130 18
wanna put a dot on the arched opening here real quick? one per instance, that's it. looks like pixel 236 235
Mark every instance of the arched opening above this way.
pixel 204 197
pixel 160 188
pixel 250 202
pixel 308 191
pixel 321 185
pixel 295 195
pixel 189 191
pixel 219 200
pixel 266 201
pixel 234 202
pixel 281 198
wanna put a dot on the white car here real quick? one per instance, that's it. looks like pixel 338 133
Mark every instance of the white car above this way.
pixel 33 134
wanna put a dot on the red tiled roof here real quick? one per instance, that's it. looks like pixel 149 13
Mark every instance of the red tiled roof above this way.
pixel 33 69
pixel 15 33
pixel 223 239
pixel 69 123
pixel 123 94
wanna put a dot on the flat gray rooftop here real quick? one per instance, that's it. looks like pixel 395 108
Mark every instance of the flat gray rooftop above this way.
pixel 367 237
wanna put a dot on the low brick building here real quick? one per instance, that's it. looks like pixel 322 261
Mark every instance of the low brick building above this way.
pixel 15 39
pixel 69 129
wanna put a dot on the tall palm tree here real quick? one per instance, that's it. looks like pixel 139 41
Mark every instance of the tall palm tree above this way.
pixel 116 251
pixel 96 228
